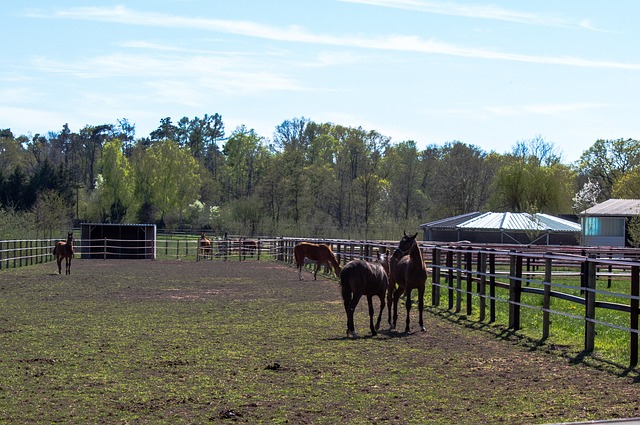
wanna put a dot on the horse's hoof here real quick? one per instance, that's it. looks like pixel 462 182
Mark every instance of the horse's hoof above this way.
pixel 423 329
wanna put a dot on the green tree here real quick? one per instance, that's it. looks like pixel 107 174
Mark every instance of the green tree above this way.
pixel 404 173
pixel 173 177
pixel 606 161
pixel 460 180
pixel 245 154
pixel 627 185
pixel 524 185
pixel 52 213
pixel 117 186
pixel 11 152
pixel 291 139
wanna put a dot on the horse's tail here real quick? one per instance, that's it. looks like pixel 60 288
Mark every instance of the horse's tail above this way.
pixel 345 277
pixel 298 254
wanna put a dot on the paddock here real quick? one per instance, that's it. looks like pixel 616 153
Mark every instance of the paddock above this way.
pixel 172 340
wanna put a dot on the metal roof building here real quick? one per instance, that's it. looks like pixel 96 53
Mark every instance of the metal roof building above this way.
pixel 605 224
pixel 490 227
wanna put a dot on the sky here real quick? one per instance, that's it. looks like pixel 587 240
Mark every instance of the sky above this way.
pixel 488 73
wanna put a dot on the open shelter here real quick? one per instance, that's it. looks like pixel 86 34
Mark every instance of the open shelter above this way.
pixel 505 228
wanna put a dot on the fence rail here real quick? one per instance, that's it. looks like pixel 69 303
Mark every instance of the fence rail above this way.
pixel 463 279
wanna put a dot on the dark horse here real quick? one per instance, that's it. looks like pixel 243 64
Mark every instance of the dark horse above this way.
pixel 248 247
pixel 408 271
pixel 320 253
pixel 64 251
pixel 360 278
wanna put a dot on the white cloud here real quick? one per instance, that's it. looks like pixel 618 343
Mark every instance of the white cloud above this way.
pixel 297 34
pixel 543 109
pixel 470 11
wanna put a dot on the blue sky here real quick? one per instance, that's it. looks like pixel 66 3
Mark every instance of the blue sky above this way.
pixel 487 73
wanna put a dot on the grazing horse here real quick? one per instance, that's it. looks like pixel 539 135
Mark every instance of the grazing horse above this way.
pixel 408 271
pixel 64 251
pixel 320 253
pixel 360 278
pixel 204 244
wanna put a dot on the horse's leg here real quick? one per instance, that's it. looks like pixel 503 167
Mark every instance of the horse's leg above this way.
pixel 351 327
pixel 59 261
pixel 390 306
pixel 69 265
pixel 380 313
pixel 347 308
pixel 421 306
pixel 396 297
pixel 408 304
pixel 370 303
pixel 317 268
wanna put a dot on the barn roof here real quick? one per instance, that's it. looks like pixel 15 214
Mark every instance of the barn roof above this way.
pixel 506 221
pixel 614 207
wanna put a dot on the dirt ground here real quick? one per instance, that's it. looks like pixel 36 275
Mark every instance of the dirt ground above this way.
pixel 475 374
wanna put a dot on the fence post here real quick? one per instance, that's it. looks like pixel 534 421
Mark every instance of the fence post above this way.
pixel 482 270
pixel 492 287
pixel 450 278
pixel 459 280
pixel 104 251
pixel 515 290
pixel 469 271
pixel 635 303
pixel 1 247
pixel 435 287
pixel 590 305
pixel 546 301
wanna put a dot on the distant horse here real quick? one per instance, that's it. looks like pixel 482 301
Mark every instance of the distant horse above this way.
pixel 204 244
pixel 360 278
pixel 408 271
pixel 248 246
pixel 64 251
pixel 383 259
pixel 320 253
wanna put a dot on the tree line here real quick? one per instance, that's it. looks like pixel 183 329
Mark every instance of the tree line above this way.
pixel 307 179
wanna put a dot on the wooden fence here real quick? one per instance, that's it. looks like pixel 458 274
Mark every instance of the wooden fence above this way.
pixel 469 279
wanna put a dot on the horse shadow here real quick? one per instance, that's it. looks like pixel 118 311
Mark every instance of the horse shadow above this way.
pixel 383 335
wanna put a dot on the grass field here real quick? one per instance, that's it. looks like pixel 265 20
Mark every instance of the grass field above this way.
pixel 134 341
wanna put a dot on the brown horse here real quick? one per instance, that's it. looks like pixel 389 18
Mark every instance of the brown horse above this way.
pixel 320 253
pixel 408 271
pixel 64 251
pixel 360 278
pixel 204 245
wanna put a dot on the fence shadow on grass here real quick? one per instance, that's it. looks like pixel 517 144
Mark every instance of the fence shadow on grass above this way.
pixel 503 333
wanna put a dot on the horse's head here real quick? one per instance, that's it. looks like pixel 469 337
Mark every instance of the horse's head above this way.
pixel 407 242
pixel 70 237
